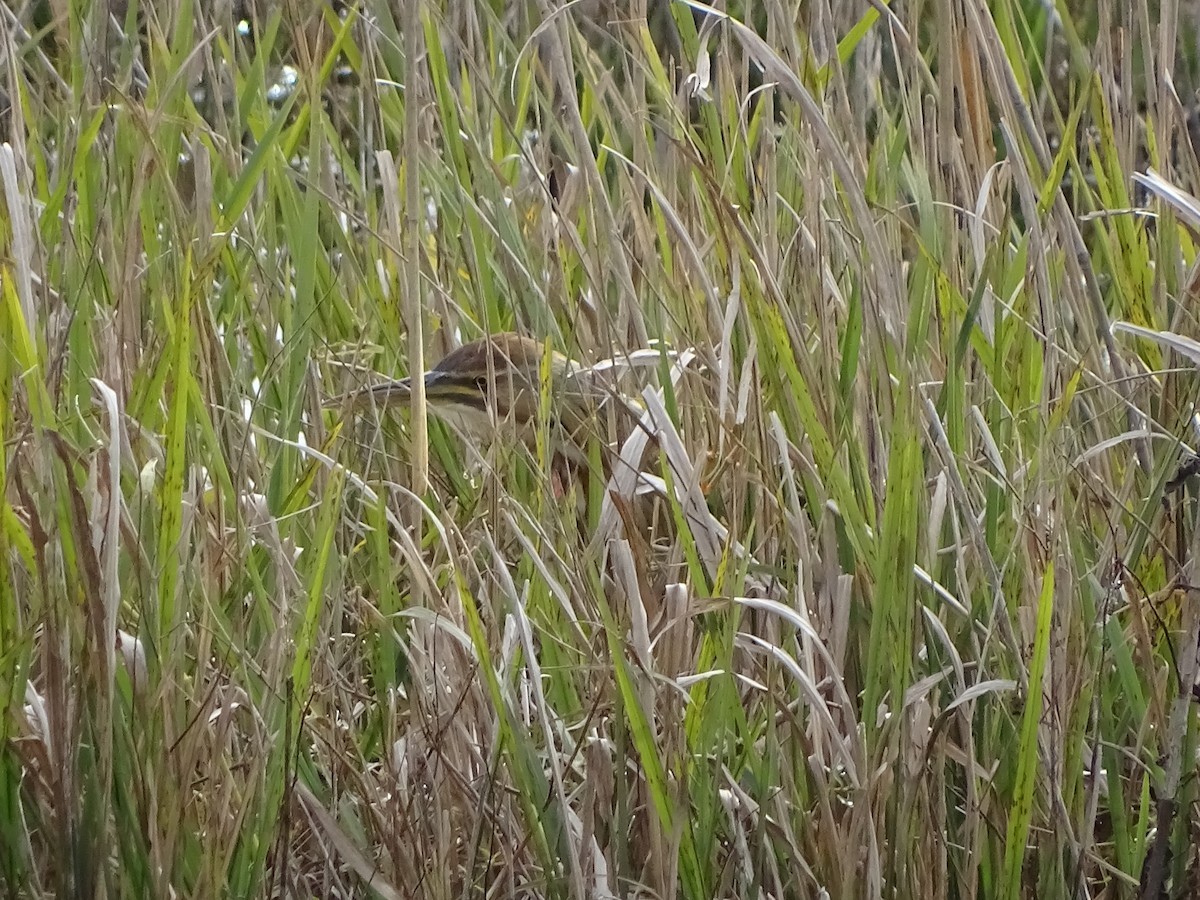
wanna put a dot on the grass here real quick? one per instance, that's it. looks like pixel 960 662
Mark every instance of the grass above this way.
pixel 912 615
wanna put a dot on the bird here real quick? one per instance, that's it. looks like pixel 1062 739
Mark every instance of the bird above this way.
pixel 497 382
pixel 497 386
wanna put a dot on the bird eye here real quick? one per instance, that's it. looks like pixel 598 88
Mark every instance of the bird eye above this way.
pixel 482 383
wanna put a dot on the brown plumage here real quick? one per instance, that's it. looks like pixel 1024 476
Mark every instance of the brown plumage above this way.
pixel 497 382
pixel 501 376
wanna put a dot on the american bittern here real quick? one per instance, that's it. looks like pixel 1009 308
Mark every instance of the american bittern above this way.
pixel 497 381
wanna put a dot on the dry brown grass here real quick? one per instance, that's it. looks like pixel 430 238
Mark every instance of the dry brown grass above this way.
pixel 911 614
